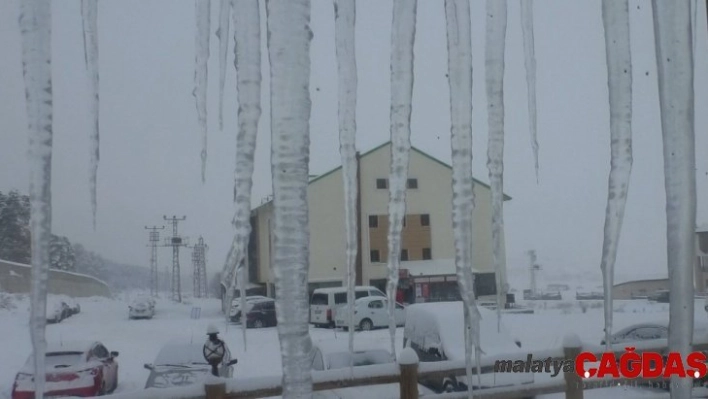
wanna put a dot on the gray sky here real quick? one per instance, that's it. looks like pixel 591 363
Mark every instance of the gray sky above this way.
pixel 150 140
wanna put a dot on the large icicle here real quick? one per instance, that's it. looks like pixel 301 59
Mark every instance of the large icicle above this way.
pixel 89 17
pixel 459 63
pixel 247 60
pixel 402 40
pixel 289 37
pixel 203 15
pixel 615 18
pixel 35 26
pixel 674 57
pixel 530 64
pixel 344 23
pixel 223 34
pixel 494 75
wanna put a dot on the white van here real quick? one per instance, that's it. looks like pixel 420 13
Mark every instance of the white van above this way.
pixel 324 301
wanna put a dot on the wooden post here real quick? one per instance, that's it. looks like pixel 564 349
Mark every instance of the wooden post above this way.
pixel 215 389
pixel 573 382
pixel 408 364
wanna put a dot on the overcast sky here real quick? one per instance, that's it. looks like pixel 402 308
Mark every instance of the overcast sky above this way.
pixel 150 141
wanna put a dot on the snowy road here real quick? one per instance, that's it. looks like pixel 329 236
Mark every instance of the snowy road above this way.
pixel 138 341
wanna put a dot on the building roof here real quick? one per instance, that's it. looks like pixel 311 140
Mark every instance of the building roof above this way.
pixel 314 178
pixel 647 280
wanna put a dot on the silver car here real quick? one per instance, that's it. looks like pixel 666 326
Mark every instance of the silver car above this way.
pixel 183 364
pixel 141 309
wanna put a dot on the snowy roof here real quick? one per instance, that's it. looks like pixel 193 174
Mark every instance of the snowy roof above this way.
pixel 441 325
pixel 702 228
pixel 329 290
pixel 431 267
pixel 56 271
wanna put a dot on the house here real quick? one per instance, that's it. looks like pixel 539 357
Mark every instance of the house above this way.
pixel 427 256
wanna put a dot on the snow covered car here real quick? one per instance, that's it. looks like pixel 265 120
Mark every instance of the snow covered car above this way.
pixel 141 308
pixel 259 313
pixel 57 309
pixel 82 369
pixel 436 332
pixel 236 305
pixel 324 301
pixel 369 312
pixel 183 364
pixel 649 331
pixel 72 305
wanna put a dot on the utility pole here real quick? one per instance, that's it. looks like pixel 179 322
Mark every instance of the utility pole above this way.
pixel 154 238
pixel 175 242
pixel 199 262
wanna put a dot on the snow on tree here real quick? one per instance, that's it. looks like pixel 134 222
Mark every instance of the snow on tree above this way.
pixel 459 48
pixel 674 58
pixel 345 24
pixel 35 28
pixel 15 237
pixel 289 37
pixel 615 17
pixel 61 254
pixel 402 40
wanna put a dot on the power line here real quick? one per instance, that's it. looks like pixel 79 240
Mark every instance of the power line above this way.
pixel 199 262
pixel 175 242
pixel 154 238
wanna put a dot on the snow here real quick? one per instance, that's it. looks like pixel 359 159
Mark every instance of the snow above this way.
pixel 530 65
pixel 571 340
pixel 615 17
pixel 402 40
pixel 408 356
pixel 459 47
pixel 203 17
pixel 89 16
pixel 289 37
pixel 494 79
pixel 223 34
pixel 345 21
pixel 35 29
pixel 674 57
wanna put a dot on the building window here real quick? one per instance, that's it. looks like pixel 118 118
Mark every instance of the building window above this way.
pixel 425 220
pixel 375 257
pixel 426 254
pixel 404 254
pixel 412 183
pixel 382 184
pixel 373 221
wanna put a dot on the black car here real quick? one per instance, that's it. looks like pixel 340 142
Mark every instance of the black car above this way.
pixel 261 313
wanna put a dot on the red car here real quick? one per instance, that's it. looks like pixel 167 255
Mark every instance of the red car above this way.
pixel 83 369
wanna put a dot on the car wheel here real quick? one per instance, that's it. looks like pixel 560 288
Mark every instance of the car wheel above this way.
pixel 258 323
pixel 366 325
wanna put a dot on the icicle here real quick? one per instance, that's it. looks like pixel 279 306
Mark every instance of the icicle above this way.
pixel 674 56
pixel 289 37
pixel 345 20
pixel 530 64
pixel 35 27
pixel 459 63
pixel 89 17
pixel 402 40
pixel 203 14
pixel 615 17
pixel 223 34
pixel 247 60
pixel 494 74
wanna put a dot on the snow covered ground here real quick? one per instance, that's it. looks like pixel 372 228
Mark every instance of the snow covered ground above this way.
pixel 138 341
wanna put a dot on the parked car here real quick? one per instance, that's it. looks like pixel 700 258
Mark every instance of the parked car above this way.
pixel 236 305
pixel 72 305
pixel 141 308
pixel 183 364
pixel 436 332
pixel 325 300
pixel 82 369
pixel 369 313
pixel 57 309
pixel 660 296
pixel 259 313
pixel 650 330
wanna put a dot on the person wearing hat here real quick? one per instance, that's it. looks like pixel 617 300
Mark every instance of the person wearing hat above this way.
pixel 214 349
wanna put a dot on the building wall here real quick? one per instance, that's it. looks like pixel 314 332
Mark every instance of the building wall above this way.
pixel 641 287
pixel 16 278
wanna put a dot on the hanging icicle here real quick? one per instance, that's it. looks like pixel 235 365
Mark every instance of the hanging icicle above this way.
pixel 615 17
pixel 289 37
pixel 674 57
pixel 459 61
pixel 35 29
pixel 89 18
pixel 345 21
pixel 530 64
pixel 203 16
pixel 223 35
pixel 402 40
